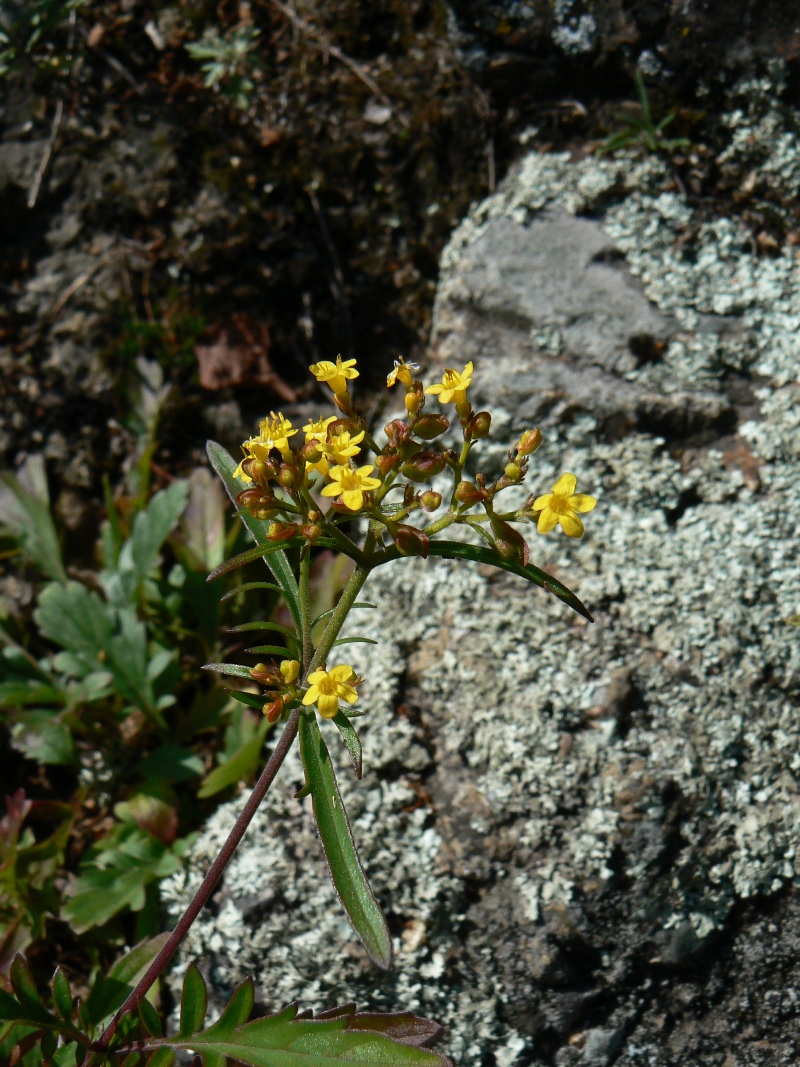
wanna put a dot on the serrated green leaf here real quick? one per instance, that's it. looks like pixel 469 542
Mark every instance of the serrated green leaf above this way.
pixel 236 1012
pixel 351 740
pixel 32 1014
pixel 41 736
pixel 194 1001
pixel 142 552
pixel 62 995
pixel 346 871
pixel 477 554
pixel 335 1038
pixel 25 513
pixel 110 991
pixel 241 765
pixel 224 464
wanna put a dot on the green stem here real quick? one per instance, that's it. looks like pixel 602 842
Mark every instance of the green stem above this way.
pixel 305 605
pixel 337 619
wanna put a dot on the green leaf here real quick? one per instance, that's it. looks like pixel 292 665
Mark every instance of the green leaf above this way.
pixel 171 763
pixel 276 627
pixel 354 641
pixel 62 995
pixel 41 736
pixel 334 829
pixel 234 670
pixel 224 464
pixel 268 650
pixel 25 513
pixel 477 554
pixel 324 614
pixel 240 766
pixel 28 1010
pixel 150 1019
pixel 202 525
pixel 252 700
pixel 164 1057
pixel 111 991
pixel 194 1001
pixel 251 554
pixel 24 986
pixel 288 1039
pixel 248 587
pixel 351 739
pixel 142 552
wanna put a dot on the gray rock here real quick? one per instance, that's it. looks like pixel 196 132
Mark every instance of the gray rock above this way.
pixel 585 838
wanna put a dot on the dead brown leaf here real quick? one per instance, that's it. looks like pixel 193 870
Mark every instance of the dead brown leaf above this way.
pixel 237 353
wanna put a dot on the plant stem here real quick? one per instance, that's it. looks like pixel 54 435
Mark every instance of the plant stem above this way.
pixel 336 621
pixel 305 606
pixel 208 884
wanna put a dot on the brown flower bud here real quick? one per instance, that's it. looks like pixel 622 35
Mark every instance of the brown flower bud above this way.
pixel 467 493
pixel 264 514
pixel 274 710
pixel 343 403
pixel 282 531
pixel 262 471
pixel 398 432
pixel 388 461
pixel 264 675
pixel 312 532
pixel 410 541
pixel 310 452
pixel 529 442
pixel 430 500
pixel 514 472
pixel 423 466
pixel 288 476
pixel 510 543
pixel 429 426
pixel 479 425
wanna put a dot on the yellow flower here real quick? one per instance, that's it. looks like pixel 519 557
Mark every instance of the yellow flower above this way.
pixel 290 669
pixel 350 485
pixel 454 386
pixel 335 374
pixel 341 446
pixel 274 433
pixel 401 372
pixel 318 431
pixel 327 688
pixel 562 506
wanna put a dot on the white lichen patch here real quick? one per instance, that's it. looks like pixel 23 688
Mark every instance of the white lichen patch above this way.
pixel 689 568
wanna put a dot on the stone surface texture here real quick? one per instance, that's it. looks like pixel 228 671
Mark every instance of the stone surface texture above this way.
pixel 585 837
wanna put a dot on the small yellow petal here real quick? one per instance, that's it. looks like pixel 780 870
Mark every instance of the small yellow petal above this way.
pixel 311 696
pixel 565 486
pixel 582 502
pixel 542 501
pixel 350 695
pixel 571 525
pixel 328 705
pixel 333 489
pixel 343 673
pixel 547 521
pixel 353 499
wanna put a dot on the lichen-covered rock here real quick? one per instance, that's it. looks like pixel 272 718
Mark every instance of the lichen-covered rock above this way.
pixel 585 837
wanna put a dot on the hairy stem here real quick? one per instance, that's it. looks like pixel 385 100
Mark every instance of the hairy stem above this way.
pixel 336 621
pixel 305 606
pixel 208 884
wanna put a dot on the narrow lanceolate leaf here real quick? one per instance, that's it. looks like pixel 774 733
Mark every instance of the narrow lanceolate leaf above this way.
pixel 62 995
pixel 235 670
pixel 224 464
pixel 334 830
pixel 251 554
pixel 194 1001
pixel 478 554
pixel 111 990
pixel 350 738
pixel 294 1039
pixel 248 587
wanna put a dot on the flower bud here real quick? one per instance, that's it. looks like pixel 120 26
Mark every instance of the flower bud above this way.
pixel 529 442
pixel 423 466
pixel 343 403
pixel 282 531
pixel 398 432
pixel 467 493
pixel 262 674
pixel 274 710
pixel 429 426
pixel 430 500
pixel 312 532
pixel 264 514
pixel 464 410
pixel 288 476
pixel 387 461
pixel 509 542
pixel 514 472
pixel 479 425
pixel 311 452
pixel 410 541
pixel 413 402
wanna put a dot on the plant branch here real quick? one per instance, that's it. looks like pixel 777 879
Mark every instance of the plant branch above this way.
pixel 208 885
pixel 305 606
pixel 346 600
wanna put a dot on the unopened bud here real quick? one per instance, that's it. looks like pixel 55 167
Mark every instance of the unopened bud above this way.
pixel 264 514
pixel 429 426
pixel 282 531
pixel 514 472
pixel 288 476
pixel 387 461
pixel 423 466
pixel 413 402
pixel 467 493
pixel 262 674
pixel 479 425
pixel 261 471
pixel 343 403
pixel 274 710
pixel 410 541
pixel 311 452
pixel 312 532
pixel 464 410
pixel 398 432
pixel 430 500
pixel 509 542
pixel 529 442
